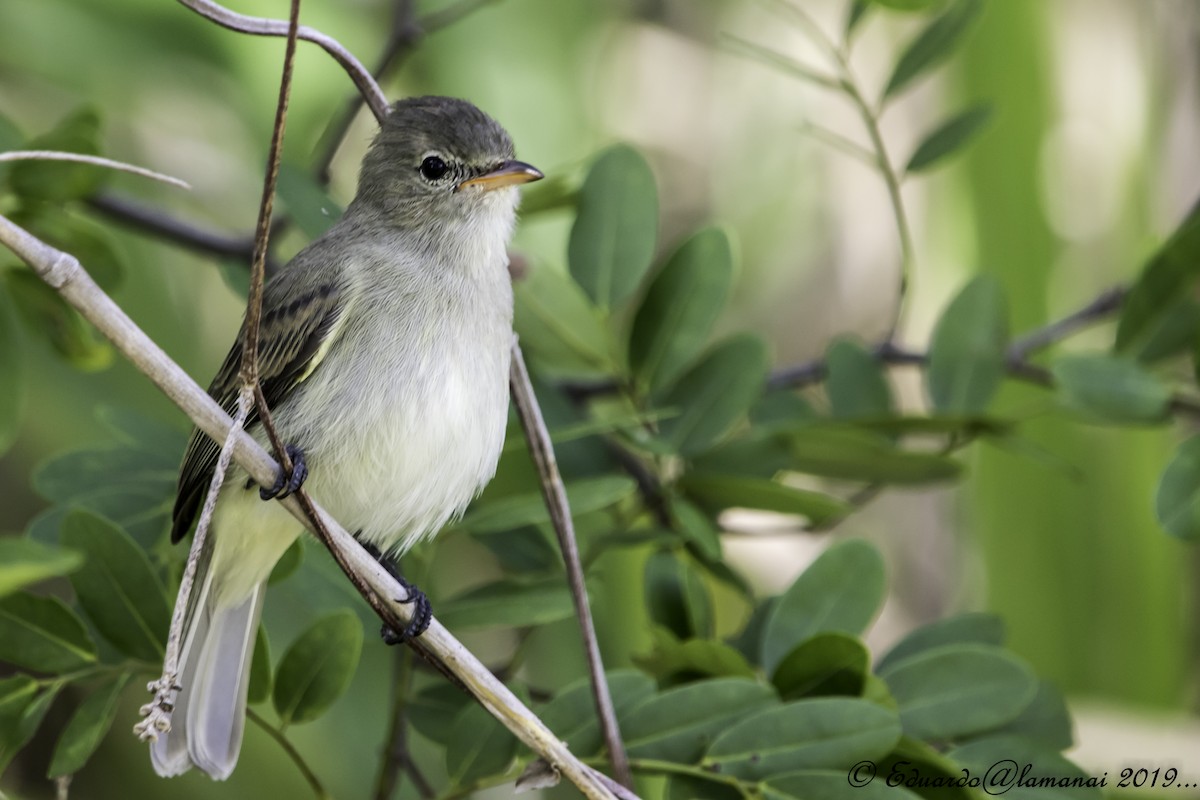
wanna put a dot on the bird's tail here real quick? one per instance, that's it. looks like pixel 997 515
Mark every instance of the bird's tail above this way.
pixel 210 712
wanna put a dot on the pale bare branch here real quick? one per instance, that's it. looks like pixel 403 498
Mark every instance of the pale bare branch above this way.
pixel 97 161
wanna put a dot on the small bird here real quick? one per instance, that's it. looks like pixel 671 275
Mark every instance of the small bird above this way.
pixel 384 357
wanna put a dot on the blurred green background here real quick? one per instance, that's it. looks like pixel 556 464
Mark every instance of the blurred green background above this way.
pixel 1089 161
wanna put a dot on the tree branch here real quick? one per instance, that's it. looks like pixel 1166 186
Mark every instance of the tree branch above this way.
pixel 64 273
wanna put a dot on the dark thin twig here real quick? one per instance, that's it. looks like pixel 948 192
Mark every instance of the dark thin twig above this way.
pixel 1104 305
pixel 310 777
pixel 396 760
pixel 555 496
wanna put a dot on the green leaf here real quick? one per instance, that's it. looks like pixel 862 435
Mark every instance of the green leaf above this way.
pixel 966 358
pixel 1177 501
pixel 826 664
pixel 87 727
pixel 856 14
pixel 714 394
pixel 676 596
pixel 571 715
pixel 949 138
pixel 755 456
pixel 559 326
pixel 116 586
pixel 20 723
pixel 433 710
pixel 134 427
pixel 959 689
pixel 318 667
pixel 1172 334
pixel 79 236
pixel 918 766
pixel 694 787
pixel 288 563
pixel 933 45
pixel 1046 720
pixel 309 205
pixel 673 657
pixel 612 240
pixel 782 409
pixel 43 634
pixel 680 308
pixel 969 628
pixel 12 374
pixel 1165 278
pixel 679 724
pixel 1020 765
pixel 24 562
pixel 718 492
pixel 259 690
pixel 1111 388
pixel 584 496
pixel 821 784
pixel 59 181
pixel 696 529
pixel 840 592
pixel 856 384
pixel 510 603
pixel 479 746
pixel 46 313
pixel 15 694
pixel 861 455
pixel 63 477
pixel 831 732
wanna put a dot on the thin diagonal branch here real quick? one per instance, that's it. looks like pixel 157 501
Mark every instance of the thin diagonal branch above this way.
pixel 96 161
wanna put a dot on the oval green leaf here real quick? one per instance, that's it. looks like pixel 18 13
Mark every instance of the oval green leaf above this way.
pixel 839 592
pixel 672 656
pixel 46 313
pixel 966 357
pixel 1177 501
pixel 261 676
pixel 43 634
pixel 863 455
pixel 933 45
pixel 19 724
pixel 1031 763
pixel 680 308
pixel 317 668
pixel 87 727
pixel 479 746
pixel 509 603
pixel 1111 388
pixel 1164 279
pixel 676 595
pixel 116 586
pixel 855 383
pixel 969 628
pixel 719 492
pixel 559 327
pixel 24 562
pixel 958 690
pixel 307 203
pixel 826 664
pixel 59 181
pixel 433 710
pixel 584 496
pixel 571 715
pixel 949 138
pixel 612 240
pixel 829 732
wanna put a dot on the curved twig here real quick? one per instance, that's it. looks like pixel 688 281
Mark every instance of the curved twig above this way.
pixel 96 161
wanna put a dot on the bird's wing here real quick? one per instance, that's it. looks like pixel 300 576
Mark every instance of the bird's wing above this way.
pixel 298 325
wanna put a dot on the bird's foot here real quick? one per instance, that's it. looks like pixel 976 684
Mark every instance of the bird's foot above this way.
pixel 422 610
pixel 286 483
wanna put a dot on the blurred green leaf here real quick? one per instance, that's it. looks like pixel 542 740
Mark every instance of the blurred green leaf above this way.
pixel 1043 764
pixel 1163 281
pixel 696 528
pixel 856 14
pixel 839 592
pixel 826 664
pixel 714 394
pixel 43 634
pixel 856 383
pixel 116 586
pixel 719 492
pixel 553 193
pixel 749 642
pixel 87 726
pixel 64 477
pixel 672 656
pixel 45 313
pixel 307 203
pixel 19 723
pixel 584 496
pixel 612 240
pixel 966 357
pixel 917 765
pixel 58 181
pixel 478 746
pixel 1046 720
pixel 829 785
pixel 1111 388
pixel 959 689
pixel 1171 334
pixel 559 326
pixel 969 628
pixel 1177 501
pixel 861 455
pixel 15 693
pixel 288 563
pixel 693 787
pixel 676 597
pixel 145 432
pixel 12 373
pixel 261 677
pixel 933 45
pixel 949 138
pixel 951 424
pixel 510 603
pixel 907 5
pixel 571 715
pixel 754 455
pixel 830 732
pixel 318 667
pixel 679 724
pixel 24 562
pixel 680 308
pixel 91 243
pixel 141 511
pixel 432 711
pixel 782 409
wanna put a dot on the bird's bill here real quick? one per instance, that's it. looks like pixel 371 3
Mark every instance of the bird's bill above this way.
pixel 510 173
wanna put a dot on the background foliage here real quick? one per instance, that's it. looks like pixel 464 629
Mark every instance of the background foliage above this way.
pixel 732 194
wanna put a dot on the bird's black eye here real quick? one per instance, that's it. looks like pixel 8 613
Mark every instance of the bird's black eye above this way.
pixel 433 168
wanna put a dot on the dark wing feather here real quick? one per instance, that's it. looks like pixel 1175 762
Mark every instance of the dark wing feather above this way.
pixel 294 326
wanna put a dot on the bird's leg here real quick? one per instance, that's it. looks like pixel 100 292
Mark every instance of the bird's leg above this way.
pixel 422 610
pixel 286 483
